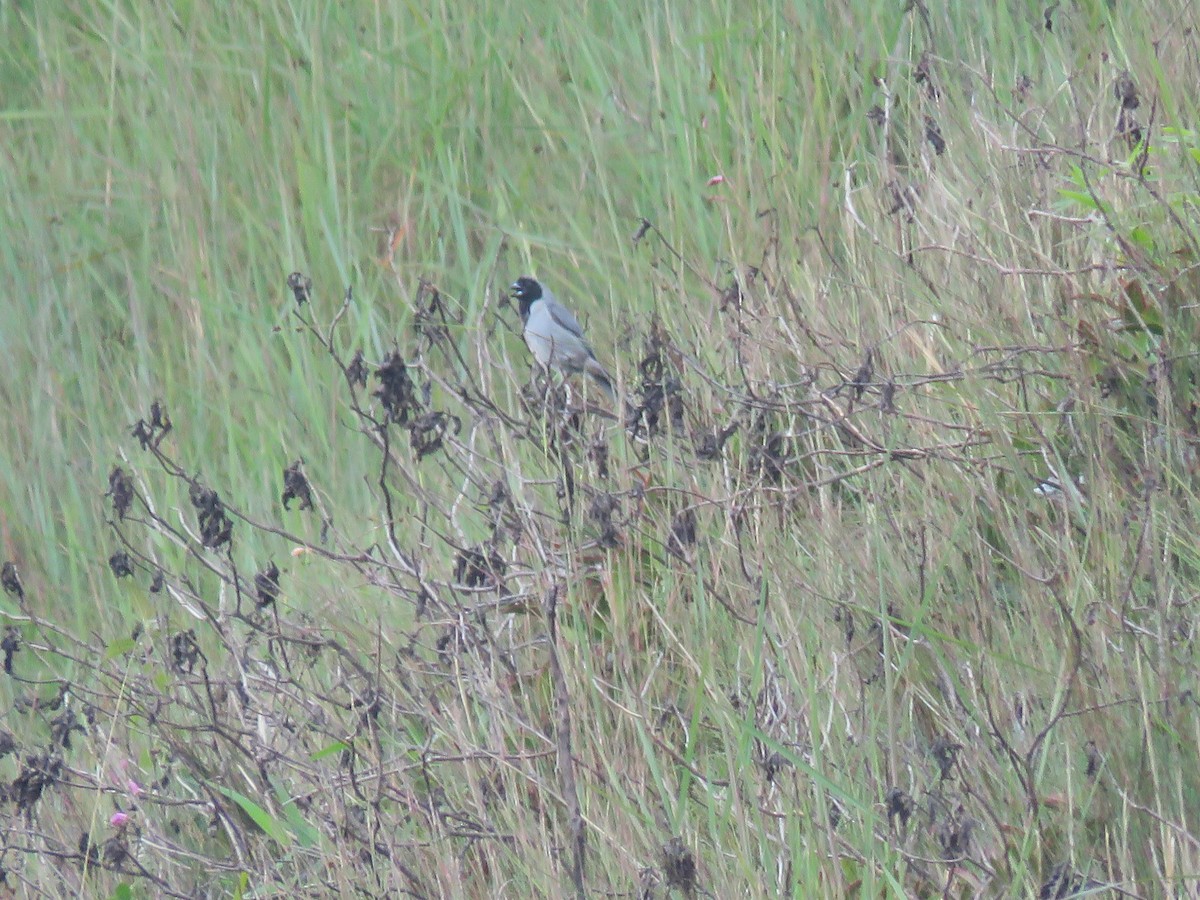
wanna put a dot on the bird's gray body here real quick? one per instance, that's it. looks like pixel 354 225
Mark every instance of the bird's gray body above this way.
pixel 554 335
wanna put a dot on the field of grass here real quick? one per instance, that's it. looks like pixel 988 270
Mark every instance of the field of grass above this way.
pixel 879 580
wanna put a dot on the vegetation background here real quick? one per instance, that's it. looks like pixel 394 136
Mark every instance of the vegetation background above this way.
pixel 881 580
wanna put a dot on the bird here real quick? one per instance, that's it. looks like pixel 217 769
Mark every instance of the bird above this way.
pixel 554 335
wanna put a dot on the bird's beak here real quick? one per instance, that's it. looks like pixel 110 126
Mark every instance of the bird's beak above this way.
pixel 515 288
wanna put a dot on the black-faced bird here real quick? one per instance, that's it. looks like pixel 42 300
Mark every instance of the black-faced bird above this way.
pixel 554 335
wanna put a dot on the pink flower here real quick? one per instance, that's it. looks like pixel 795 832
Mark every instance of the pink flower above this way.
pixel 119 820
pixel 134 788
pixel 715 180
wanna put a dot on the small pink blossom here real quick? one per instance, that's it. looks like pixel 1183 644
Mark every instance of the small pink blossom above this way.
pixel 134 788
pixel 119 820
pixel 715 180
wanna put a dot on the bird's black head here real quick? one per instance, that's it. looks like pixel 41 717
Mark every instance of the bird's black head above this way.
pixel 526 291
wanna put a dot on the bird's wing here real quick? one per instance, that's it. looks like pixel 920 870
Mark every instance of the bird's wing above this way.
pixel 562 316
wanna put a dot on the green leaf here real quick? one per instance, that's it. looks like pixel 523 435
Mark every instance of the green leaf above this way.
pixel 119 648
pixel 305 833
pixel 1141 236
pixel 1085 200
pixel 335 747
pixel 270 826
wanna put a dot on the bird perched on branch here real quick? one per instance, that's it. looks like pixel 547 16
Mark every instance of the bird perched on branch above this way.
pixel 554 336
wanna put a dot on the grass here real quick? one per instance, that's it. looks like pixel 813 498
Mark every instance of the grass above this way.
pixel 801 621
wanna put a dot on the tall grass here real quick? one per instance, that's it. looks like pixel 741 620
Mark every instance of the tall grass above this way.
pixel 855 647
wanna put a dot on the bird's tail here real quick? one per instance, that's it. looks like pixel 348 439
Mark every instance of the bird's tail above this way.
pixel 600 375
